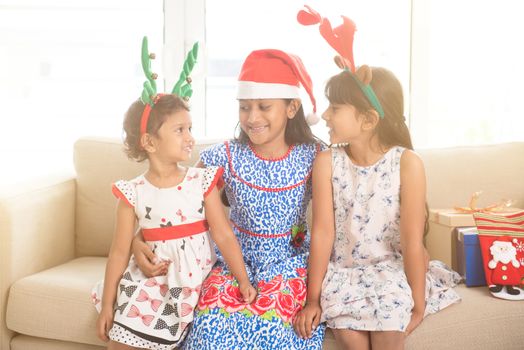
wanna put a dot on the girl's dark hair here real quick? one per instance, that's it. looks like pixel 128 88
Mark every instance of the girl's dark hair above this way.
pixel 297 129
pixel 392 129
pixel 164 107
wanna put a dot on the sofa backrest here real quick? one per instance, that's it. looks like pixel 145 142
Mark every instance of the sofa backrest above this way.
pixel 99 162
pixel 453 174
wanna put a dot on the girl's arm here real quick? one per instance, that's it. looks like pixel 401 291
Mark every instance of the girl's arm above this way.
pixel 412 218
pixel 225 239
pixel 322 238
pixel 116 264
pixel 146 260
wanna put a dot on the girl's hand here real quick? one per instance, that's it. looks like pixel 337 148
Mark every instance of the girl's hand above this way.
pixel 307 320
pixel 416 319
pixel 249 293
pixel 104 323
pixel 146 260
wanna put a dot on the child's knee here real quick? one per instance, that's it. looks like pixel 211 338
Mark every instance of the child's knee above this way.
pixel 351 339
pixel 387 340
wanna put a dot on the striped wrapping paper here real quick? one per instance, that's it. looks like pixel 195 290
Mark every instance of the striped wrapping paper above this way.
pixel 501 238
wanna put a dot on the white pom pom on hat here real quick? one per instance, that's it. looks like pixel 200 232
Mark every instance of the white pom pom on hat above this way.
pixel 312 118
pixel 271 73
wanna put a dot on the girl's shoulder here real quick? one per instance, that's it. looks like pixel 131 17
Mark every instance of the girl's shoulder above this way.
pixel 126 190
pixel 324 156
pixel 133 183
pixel 215 148
pixel 215 155
pixel 408 155
pixel 199 172
pixel 410 161
pixel 312 149
pixel 318 146
pixel 194 172
pixel 303 155
pixel 204 179
pixel 324 160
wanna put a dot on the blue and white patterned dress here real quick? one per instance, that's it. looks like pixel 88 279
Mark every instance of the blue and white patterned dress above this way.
pixel 365 287
pixel 267 198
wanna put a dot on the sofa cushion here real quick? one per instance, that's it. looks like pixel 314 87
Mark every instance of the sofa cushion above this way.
pixel 453 174
pixel 56 303
pixel 98 163
pixel 479 321
pixel 24 342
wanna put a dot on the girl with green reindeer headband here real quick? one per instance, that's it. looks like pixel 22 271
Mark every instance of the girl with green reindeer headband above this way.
pixel 174 206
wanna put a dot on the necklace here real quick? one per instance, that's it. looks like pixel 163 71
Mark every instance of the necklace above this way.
pixel 341 144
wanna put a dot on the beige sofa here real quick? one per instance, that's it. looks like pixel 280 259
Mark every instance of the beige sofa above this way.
pixel 56 233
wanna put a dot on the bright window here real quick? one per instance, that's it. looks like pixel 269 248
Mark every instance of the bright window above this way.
pixel 467 72
pixel 71 68
pixel 67 69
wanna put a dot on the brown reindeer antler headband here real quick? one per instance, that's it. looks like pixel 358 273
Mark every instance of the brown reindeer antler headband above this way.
pixel 341 39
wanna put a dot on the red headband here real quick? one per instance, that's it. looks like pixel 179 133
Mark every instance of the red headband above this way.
pixel 145 114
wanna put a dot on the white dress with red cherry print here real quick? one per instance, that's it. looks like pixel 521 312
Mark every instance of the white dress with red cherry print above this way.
pixel 154 313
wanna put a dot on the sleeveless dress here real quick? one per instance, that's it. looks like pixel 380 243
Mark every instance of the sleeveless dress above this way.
pixel 154 313
pixel 268 201
pixel 365 287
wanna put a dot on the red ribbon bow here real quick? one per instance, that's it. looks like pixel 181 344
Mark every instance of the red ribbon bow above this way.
pixel 182 217
pixel 187 291
pixel 152 282
pixel 155 303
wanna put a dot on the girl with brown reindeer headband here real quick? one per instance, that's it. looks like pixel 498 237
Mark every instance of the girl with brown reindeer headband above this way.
pixel 367 276
pixel 174 207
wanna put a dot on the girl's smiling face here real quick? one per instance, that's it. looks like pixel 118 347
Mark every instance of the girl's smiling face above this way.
pixel 174 141
pixel 343 122
pixel 264 120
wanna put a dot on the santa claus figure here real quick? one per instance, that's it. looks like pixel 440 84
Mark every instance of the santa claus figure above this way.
pixel 504 268
pixel 502 245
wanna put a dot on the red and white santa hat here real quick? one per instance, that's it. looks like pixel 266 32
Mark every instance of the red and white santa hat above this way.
pixel 271 73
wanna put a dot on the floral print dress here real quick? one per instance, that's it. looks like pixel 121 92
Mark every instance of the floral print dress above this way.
pixel 365 287
pixel 268 201
pixel 153 313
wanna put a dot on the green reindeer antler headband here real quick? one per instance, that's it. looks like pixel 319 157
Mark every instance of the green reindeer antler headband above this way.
pixel 182 87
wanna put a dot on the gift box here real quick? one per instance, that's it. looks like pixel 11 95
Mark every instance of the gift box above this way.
pixel 442 234
pixel 469 256
pixel 451 218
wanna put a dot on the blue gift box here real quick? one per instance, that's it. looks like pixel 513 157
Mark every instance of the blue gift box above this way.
pixel 469 257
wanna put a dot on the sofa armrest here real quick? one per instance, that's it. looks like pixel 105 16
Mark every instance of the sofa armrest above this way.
pixel 37 231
